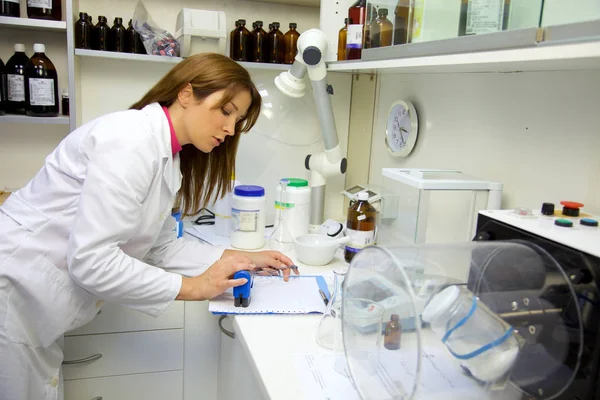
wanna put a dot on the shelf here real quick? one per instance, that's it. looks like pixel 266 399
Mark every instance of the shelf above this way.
pixel 307 3
pixel 577 56
pixel 24 119
pixel 173 60
pixel 33 24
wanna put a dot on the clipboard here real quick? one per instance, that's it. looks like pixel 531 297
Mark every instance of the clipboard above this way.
pixel 272 295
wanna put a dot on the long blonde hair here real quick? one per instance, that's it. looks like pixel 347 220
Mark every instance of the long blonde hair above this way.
pixel 205 174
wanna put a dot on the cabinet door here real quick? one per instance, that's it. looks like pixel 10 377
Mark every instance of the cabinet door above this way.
pixel 115 318
pixel 124 353
pixel 156 386
pixel 236 374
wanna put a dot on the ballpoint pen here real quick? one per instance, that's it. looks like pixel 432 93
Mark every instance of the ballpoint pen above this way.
pixel 324 297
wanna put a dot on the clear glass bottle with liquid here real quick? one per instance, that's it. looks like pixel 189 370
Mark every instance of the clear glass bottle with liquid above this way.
pixel 241 45
pixel 360 226
pixel 276 45
pixel 291 44
pixel 117 36
pixel 15 81
pixel 342 34
pixel 83 32
pixel 10 8
pixel 41 85
pixel 45 9
pixel 101 34
pixel 281 238
pixel 259 37
pixel 403 19
pixel 381 30
pixel 357 13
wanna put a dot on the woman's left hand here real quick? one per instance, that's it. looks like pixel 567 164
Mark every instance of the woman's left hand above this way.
pixel 270 262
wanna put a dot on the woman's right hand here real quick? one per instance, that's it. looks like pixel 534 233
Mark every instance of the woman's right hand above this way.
pixel 216 279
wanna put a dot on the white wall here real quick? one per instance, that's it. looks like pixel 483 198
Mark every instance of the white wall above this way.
pixel 536 132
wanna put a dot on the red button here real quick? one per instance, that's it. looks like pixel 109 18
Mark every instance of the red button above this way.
pixel 571 204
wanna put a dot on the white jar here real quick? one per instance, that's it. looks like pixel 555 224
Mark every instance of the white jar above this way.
pixel 296 205
pixel 248 217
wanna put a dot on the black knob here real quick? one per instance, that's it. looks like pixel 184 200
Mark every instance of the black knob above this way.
pixel 483 236
pixel 312 55
pixel 548 209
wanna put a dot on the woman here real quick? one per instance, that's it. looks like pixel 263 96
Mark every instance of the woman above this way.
pixel 94 224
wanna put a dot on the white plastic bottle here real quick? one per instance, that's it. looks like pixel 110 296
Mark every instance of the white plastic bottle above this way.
pixel 248 217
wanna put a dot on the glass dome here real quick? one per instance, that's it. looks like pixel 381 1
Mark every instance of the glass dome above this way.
pixel 292 121
pixel 494 320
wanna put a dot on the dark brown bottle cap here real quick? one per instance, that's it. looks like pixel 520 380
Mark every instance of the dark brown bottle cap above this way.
pixel 293 25
pixel 242 21
pixel 101 18
pixel 83 15
pixel 118 20
pixel 345 21
pixel 395 317
pixel 276 25
pixel 382 11
pixel 259 23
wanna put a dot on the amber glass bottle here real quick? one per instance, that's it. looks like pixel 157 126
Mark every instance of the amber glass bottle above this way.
pixel 41 85
pixel 354 40
pixel 2 90
pixel 133 41
pixel 10 8
pixel 360 226
pixel 276 45
pixel 101 34
pixel 291 44
pixel 341 53
pixel 117 36
pixel 44 9
pixel 483 16
pixel 403 21
pixel 381 30
pixel 83 32
pixel 231 35
pixel 241 45
pixel 15 80
pixel 393 333
pixel 259 37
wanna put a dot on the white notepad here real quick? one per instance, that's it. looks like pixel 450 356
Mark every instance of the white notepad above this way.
pixel 272 295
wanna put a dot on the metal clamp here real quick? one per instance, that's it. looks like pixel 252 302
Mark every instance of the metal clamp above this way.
pixel 225 331
pixel 95 357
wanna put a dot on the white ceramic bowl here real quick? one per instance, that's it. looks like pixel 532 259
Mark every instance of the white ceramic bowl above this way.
pixel 315 249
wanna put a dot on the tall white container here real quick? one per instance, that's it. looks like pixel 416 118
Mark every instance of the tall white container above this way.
pixel 248 217
pixel 295 204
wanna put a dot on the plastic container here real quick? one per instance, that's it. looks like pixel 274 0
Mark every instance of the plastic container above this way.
pixel 472 333
pixel 248 217
pixel 296 205
pixel 201 31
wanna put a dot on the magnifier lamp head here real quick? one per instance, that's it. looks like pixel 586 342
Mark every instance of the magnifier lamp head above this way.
pixel 290 85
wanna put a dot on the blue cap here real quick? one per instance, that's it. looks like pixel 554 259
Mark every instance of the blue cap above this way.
pixel 249 191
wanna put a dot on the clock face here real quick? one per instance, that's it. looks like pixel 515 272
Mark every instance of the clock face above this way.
pixel 402 128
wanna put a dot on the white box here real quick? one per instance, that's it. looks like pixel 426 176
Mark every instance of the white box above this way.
pixel 201 31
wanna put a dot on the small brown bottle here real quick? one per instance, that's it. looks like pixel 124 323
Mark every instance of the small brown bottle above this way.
pixel 393 333
pixel 83 32
pixel 65 102
pixel 342 34
pixel 381 30
pixel 10 8
pixel 403 22
pixel 259 37
pixel 2 90
pixel 241 45
pixel 231 35
pixel 117 36
pixel 133 41
pixel 45 9
pixel 290 40
pixel 41 85
pixel 360 226
pixel 276 45
pixel 101 34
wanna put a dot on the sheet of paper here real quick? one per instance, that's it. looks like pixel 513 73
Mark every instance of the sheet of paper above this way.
pixel 272 295
pixel 207 233
pixel 441 377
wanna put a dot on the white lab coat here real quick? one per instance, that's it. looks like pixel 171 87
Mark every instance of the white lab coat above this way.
pixel 94 224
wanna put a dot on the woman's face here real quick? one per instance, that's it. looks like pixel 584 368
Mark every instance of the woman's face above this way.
pixel 207 125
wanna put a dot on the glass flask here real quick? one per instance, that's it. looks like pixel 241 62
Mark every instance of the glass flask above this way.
pixel 329 334
pixel 281 238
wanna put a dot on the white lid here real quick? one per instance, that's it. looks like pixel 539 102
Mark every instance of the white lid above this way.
pixel 362 196
pixel 65 92
pixel 440 303
pixel 20 47
pixel 39 48
pixel 438 179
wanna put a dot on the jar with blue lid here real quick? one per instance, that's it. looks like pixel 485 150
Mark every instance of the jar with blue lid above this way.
pixel 248 217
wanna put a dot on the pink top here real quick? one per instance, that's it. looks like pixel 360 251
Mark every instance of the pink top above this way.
pixel 175 146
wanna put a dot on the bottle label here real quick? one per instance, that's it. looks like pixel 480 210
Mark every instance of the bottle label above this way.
pixel 16 87
pixel 354 36
pixel 244 220
pixel 484 16
pixel 41 92
pixel 40 3
pixel 359 239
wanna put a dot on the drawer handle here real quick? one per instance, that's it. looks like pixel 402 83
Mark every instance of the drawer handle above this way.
pixel 225 331
pixel 84 360
pixel 97 398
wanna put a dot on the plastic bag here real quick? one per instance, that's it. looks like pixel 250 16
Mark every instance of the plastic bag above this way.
pixel 157 41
